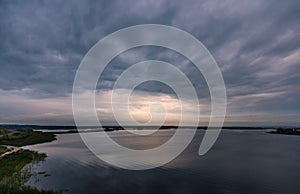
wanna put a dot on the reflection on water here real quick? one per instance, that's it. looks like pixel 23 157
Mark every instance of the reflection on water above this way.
pixel 240 162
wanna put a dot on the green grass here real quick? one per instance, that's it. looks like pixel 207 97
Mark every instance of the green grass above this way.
pixel 2 149
pixel 26 137
pixel 12 163
pixel 13 172
pixel 15 167
pixel 3 131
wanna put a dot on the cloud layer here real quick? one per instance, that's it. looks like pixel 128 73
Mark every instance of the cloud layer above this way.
pixel 255 43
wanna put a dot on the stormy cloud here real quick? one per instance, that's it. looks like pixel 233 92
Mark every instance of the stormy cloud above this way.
pixel 255 43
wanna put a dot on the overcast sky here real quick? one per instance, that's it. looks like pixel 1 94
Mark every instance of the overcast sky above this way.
pixel 255 43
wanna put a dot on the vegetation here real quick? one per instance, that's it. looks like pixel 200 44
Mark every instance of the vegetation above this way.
pixel 15 167
pixel 13 172
pixel 3 131
pixel 2 149
pixel 26 137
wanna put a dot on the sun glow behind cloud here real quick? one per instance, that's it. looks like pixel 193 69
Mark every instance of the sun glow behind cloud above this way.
pixel 145 108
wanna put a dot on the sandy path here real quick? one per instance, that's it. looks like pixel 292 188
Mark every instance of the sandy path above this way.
pixel 11 149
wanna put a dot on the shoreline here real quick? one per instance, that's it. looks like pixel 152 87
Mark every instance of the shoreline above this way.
pixel 14 160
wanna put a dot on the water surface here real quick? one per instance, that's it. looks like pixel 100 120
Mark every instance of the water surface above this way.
pixel 241 161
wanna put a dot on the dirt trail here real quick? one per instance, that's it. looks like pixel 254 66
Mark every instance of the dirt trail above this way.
pixel 10 149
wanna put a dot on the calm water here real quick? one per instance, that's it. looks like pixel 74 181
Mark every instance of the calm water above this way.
pixel 240 162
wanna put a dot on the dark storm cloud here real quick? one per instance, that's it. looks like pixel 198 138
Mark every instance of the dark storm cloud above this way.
pixel 255 43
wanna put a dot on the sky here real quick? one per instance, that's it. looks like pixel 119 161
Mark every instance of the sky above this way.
pixel 255 43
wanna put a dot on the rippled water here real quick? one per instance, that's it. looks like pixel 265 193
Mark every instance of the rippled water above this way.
pixel 242 161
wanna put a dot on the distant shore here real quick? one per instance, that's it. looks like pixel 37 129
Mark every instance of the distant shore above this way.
pixel 287 131
pixel 63 128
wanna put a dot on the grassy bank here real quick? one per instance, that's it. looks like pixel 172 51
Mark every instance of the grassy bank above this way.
pixel 15 167
pixel 2 149
pixel 26 137
pixel 13 172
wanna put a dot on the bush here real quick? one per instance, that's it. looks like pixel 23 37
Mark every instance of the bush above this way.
pixel 3 131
